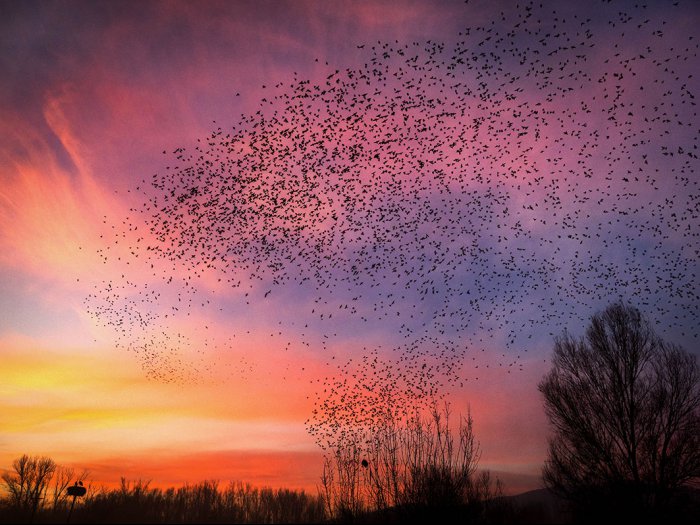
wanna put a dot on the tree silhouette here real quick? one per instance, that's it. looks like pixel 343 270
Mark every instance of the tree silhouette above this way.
pixel 625 409
pixel 28 482
pixel 27 498
pixel 419 469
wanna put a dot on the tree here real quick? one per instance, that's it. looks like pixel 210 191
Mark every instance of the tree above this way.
pixel 28 481
pixel 625 410
pixel 423 467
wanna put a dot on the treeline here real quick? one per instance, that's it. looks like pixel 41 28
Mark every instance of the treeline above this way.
pixel 137 502
pixel 36 491
pixel 202 502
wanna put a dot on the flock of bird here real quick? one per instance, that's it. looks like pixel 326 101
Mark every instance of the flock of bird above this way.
pixel 444 202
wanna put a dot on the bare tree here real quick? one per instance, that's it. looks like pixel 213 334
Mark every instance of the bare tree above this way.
pixel 420 465
pixel 625 410
pixel 342 487
pixel 28 482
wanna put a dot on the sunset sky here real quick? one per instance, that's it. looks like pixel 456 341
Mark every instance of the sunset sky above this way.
pixel 120 357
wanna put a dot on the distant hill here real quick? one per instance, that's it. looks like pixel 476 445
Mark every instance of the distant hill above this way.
pixel 543 506
pixel 539 506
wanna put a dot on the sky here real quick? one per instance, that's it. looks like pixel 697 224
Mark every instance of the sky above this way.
pixel 226 226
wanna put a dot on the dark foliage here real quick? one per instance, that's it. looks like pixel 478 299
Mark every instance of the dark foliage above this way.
pixel 625 409
pixel 205 502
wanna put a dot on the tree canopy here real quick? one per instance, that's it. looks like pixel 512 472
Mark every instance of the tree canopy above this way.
pixel 625 410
